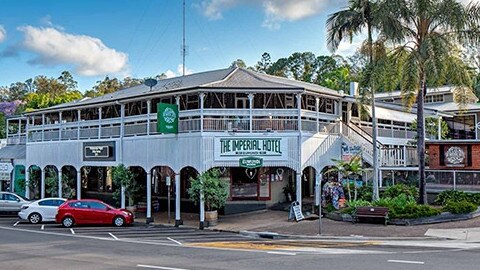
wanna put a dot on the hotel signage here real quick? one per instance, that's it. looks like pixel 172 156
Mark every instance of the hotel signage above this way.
pixel 167 118
pixel 232 148
pixel 99 151
pixel 251 162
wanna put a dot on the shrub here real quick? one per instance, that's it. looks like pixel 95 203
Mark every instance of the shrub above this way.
pixel 461 207
pixel 404 206
pixel 457 196
pixel 215 190
pixel 365 193
pixel 395 190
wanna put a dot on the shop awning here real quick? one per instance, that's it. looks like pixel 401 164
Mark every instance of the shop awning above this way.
pixel 13 152
pixel 395 115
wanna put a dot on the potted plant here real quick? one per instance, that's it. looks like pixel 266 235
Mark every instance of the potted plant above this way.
pixel 214 191
pixel 289 191
pixel 123 177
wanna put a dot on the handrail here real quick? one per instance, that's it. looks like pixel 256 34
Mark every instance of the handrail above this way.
pixel 365 134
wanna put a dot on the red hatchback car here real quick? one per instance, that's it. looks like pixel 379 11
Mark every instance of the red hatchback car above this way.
pixel 76 212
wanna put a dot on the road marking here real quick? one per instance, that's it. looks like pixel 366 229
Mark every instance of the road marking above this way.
pixel 158 267
pixel 43 227
pixel 282 253
pixel 113 236
pixel 16 223
pixel 409 262
pixel 73 232
pixel 175 241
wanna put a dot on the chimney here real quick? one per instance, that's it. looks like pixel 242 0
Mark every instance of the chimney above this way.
pixel 353 89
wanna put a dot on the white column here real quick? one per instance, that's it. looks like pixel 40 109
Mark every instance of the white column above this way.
pixel 122 133
pixel 149 218
pixel 298 182
pixel 178 220
pixel 42 183
pixel 43 127
pixel 27 126
pixel 60 126
pixel 79 183
pixel 149 110
pixel 202 211
pixel 201 97
pixel 99 122
pixel 439 127
pixel 79 116
pixel 60 183
pixel 27 182
pixel 317 108
pixel 7 129
pixel 19 131
pixel 250 107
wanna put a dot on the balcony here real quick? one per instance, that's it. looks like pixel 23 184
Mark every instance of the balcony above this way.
pixel 214 120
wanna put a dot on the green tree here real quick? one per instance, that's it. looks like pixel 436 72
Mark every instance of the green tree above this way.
pixel 67 80
pixel 351 169
pixel 360 15
pixel 264 64
pixel 104 87
pixel 426 32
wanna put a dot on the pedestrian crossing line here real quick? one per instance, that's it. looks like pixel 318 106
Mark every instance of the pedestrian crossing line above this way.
pixel 175 241
pixel 113 236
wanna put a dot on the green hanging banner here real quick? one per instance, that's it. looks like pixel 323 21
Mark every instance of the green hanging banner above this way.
pixel 167 118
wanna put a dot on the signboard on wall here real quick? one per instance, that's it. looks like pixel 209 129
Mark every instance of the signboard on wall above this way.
pixel 233 148
pixel 99 151
pixel 455 156
pixel 251 162
pixel 5 170
pixel 167 118
pixel 349 151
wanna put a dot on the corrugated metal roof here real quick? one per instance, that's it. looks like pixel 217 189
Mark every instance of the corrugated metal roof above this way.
pixel 165 85
pixel 232 77
pixel 13 152
pixel 453 107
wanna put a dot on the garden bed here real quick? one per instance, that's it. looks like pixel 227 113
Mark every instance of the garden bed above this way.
pixel 443 217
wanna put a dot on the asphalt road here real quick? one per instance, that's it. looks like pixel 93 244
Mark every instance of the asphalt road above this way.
pixel 26 246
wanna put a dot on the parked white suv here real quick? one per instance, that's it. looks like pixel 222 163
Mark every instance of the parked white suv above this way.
pixel 42 210
pixel 11 202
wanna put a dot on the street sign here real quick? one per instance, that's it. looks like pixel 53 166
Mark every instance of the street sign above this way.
pixel 169 182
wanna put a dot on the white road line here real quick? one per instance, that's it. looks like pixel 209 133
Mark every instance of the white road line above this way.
pixel 16 223
pixel 43 227
pixel 175 241
pixel 113 236
pixel 158 267
pixel 282 253
pixel 73 232
pixel 409 262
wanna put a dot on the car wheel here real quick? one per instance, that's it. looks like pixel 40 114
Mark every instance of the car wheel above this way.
pixel 35 218
pixel 67 222
pixel 118 221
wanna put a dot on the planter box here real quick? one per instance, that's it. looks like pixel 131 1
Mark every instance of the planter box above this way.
pixel 443 217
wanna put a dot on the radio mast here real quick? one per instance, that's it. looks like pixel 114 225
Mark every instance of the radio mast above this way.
pixel 184 51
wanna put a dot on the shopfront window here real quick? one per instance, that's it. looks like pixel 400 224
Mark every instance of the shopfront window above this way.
pixel 462 127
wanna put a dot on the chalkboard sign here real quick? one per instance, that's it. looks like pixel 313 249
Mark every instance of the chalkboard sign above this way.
pixel 295 212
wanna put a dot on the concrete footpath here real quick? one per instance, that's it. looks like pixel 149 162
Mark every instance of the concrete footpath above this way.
pixel 275 222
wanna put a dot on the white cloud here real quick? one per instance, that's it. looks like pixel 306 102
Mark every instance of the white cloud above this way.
pixel 276 11
pixel 47 21
pixel 347 48
pixel 89 55
pixel 3 33
pixel 170 74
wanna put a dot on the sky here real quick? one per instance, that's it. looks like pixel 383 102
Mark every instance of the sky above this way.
pixel 142 38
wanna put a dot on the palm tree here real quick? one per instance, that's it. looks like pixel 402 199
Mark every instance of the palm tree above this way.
pixel 426 32
pixel 346 23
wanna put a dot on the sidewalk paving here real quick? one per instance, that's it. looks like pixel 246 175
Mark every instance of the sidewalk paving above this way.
pixel 276 222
